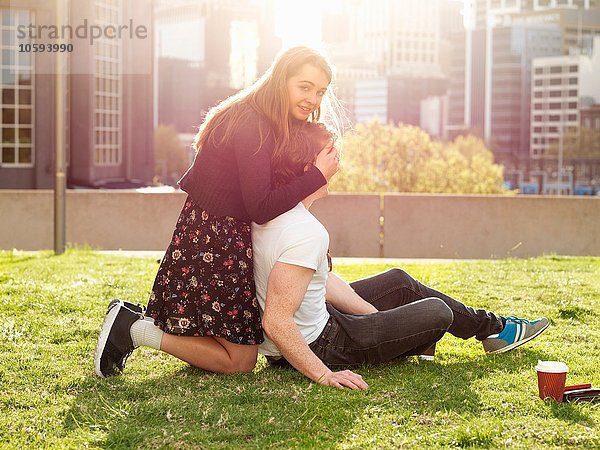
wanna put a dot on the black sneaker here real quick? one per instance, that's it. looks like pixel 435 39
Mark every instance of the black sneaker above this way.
pixel 114 342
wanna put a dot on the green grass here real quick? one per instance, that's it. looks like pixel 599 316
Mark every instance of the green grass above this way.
pixel 51 308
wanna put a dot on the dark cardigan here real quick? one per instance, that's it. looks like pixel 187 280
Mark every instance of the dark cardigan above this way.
pixel 236 179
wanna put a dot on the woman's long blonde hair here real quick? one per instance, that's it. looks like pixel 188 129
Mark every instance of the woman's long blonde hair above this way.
pixel 269 97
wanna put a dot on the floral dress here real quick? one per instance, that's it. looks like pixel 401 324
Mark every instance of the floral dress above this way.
pixel 205 282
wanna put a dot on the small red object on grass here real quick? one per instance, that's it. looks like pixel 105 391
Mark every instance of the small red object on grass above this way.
pixel 578 386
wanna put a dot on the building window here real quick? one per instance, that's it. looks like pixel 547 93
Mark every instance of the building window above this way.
pixel 556 69
pixel 572 69
pixel 107 88
pixel 16 146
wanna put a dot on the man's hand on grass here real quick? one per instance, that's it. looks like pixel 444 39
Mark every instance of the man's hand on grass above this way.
pixel 344 379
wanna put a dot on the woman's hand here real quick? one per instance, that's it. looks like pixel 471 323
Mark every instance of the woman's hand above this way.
pixel 343 379
pixel 328 161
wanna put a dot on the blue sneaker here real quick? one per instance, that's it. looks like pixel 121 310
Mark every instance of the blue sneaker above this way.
pixel 516 332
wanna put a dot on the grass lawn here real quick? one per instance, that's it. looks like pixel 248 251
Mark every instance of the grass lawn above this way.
pixel 51 308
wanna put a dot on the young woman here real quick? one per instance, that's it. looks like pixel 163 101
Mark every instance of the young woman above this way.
pixel 203 306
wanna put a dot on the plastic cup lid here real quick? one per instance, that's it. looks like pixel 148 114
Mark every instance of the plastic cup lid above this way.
pixel 551 366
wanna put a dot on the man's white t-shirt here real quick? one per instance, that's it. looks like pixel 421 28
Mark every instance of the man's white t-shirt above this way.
pixel 295 237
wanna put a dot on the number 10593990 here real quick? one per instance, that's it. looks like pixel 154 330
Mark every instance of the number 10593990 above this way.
pixel 40 48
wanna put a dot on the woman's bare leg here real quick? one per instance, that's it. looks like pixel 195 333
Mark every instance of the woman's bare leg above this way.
pixel 211 353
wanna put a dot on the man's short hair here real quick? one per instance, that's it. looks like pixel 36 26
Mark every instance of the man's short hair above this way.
pixel 307 139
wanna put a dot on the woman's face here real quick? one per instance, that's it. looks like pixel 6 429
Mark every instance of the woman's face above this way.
pixel 305 90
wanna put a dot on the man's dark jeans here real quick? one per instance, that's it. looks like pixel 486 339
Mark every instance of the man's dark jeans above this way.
pixel 411 318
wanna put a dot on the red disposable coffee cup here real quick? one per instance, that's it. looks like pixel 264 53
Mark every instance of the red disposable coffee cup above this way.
pixel 551 379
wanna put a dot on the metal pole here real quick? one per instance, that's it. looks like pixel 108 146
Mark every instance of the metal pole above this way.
pixel 155 80
pixel 468 77
pixel 560 152
pixel 489 58
pixel 59 152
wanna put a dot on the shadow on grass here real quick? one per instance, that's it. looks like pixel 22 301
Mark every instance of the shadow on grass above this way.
pixel 189 408
pixel 432 387
pixel 9 258
pixel 184 407
pixel 568 412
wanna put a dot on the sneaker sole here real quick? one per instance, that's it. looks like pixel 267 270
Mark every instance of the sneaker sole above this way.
pixel 113 309
pixel 516 344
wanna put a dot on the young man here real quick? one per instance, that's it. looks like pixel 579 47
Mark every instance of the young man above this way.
pixel 316 322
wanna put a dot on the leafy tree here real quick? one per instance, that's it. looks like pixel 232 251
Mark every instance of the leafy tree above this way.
pixel 170 154
pixel 380 158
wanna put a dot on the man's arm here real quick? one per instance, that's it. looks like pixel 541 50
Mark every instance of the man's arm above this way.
pixel 341 296
pixel 285 292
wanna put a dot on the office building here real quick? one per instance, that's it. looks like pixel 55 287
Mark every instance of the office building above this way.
pixel 566 95
pixel 490 85
pixel 403 37
pixel 386 45
pixel 481 10
pixel 220 47
pixel 434 115
pixel 108 133
pixel 396 99
pixel 371 100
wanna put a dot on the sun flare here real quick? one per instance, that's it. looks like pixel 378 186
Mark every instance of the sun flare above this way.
pixel 299 23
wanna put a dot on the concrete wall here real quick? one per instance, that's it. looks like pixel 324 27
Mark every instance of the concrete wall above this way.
pixel 26 219
pixel 456 226
pixel 102 219
pixel 415 225
pixel 352 222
